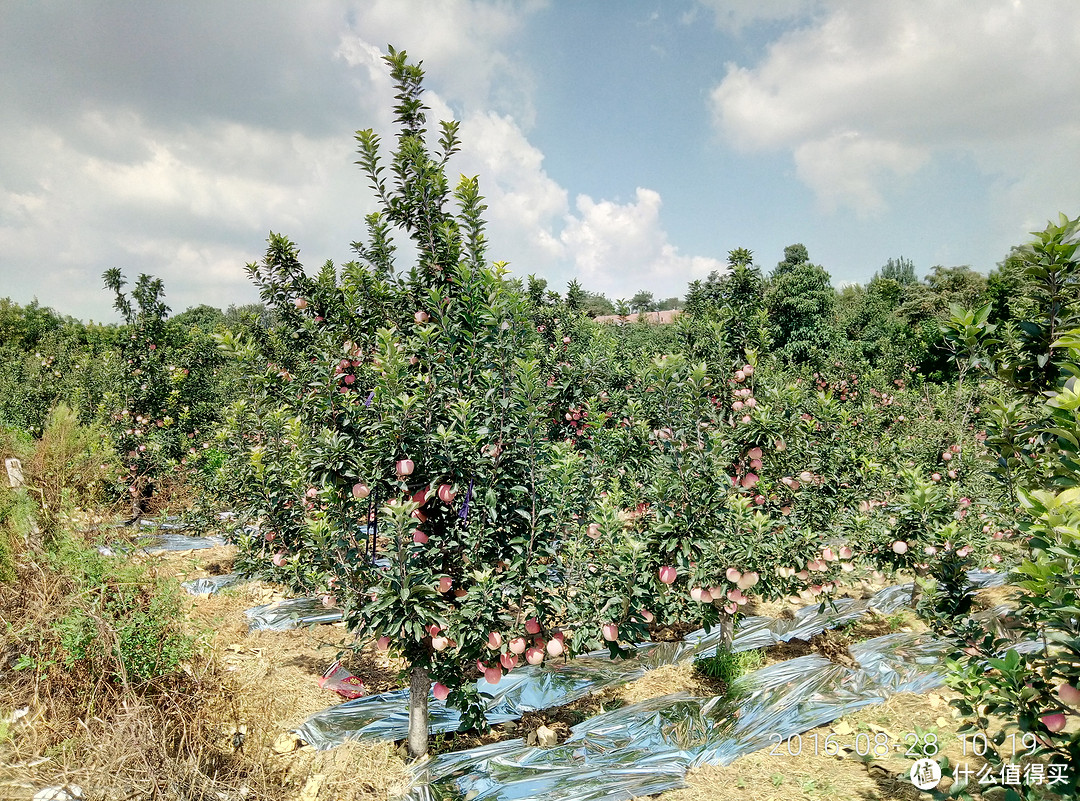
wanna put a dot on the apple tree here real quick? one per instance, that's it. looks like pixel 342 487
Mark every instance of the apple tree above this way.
pixel 393 452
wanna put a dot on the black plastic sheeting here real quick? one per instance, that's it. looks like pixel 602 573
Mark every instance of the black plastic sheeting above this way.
pixel 532 688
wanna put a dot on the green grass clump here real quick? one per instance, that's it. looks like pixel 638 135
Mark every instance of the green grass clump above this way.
pixel 727 666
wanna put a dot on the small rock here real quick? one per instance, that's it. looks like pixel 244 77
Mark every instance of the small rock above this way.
pixel 530 738
pixel 286 743
pixel 69 792
pixel 312 787
pixel 546 738
pixel 510 726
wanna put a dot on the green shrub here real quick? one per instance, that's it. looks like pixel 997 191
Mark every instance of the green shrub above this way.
pixel 116 619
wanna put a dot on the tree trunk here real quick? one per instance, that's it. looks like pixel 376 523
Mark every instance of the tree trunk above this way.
pixel 419 686
pixel 919 572
pixel 727 630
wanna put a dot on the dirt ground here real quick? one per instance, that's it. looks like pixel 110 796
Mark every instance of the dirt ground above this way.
pixel 272 687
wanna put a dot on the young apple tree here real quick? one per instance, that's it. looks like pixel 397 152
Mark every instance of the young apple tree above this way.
pixel 413 402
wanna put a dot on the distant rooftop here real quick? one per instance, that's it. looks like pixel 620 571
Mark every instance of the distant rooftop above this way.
pixel 656 318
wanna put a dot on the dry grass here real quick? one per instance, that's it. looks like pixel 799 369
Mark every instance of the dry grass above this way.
pixel 207 732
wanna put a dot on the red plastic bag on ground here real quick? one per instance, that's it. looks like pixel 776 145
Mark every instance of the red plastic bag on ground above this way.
pixel 342 682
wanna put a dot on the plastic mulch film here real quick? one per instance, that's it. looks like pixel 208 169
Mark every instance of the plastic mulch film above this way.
pixel 529 688
pixel 160 543
pixel 648 747
pixel 179 542
pixel 289 614
pixel 165 524
pixel 294 612
pixel 211 584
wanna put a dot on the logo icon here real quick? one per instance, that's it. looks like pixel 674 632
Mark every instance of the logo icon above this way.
pixel 925 774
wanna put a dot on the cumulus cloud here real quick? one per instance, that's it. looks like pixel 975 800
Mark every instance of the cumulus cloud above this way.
pixel 172 140
pixel 619 248
pixel 867 92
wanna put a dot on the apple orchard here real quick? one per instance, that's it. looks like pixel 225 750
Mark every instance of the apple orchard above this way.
pixel 483 478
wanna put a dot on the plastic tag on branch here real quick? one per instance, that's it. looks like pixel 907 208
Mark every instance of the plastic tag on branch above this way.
pixel 341 681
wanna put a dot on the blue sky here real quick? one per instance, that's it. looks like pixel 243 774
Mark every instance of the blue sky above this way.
pixel 629 144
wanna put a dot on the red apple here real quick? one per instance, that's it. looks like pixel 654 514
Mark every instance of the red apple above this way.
pixel 899 546
pixel 554 648
pixel 1054 723
pixel 446 493
pixel 279 559
pixel 594 531
pixel 440 691
pixel 668 574
pixel 846 552
pixel 300 303
pixel 748 580
pixel 440 643
pixel 610 632
pixel 508 661
pixel 534 656
pixel 419 537
pixel 1068 694
pixel 532 626
pixel 361 491
pixel 517 645
pixel 383 643
pixel 445 583
pixel 405 467
pixel 493 675
pixel 494 640
pixel 701 595
pixel 421 317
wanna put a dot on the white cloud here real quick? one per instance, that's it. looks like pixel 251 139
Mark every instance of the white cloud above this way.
pixel 872 91
pixel 185 207
pixel 184 182
pixel 619 248
pixel 848 168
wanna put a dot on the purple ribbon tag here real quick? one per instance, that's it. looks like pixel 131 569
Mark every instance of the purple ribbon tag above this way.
pixel 370 398
pixel 464 513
